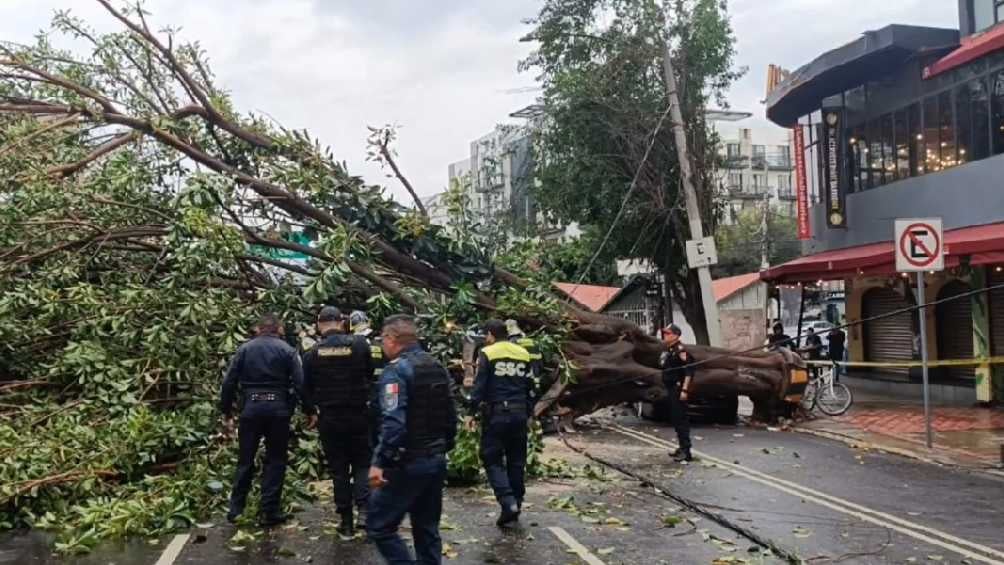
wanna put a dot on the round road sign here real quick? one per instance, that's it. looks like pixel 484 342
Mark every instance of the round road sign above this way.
pixel 920 245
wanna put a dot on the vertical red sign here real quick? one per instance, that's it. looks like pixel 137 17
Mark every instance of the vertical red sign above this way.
pixel 801 185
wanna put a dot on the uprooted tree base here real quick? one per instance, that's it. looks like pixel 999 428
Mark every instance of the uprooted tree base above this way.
pixel 140 235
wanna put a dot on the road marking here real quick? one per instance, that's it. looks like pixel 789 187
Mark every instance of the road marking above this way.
pixel 173 550
pixel 912 529
pixel 575 546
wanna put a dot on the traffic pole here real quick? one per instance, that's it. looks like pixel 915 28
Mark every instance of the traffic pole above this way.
pixel 922 299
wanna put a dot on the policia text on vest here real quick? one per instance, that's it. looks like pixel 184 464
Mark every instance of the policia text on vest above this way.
pixel 338 376
pixel 502 397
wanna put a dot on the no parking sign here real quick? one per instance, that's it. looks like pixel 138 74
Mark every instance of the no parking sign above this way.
pixel 920 245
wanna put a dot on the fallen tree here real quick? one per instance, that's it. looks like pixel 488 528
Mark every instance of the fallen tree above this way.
pixel 144 225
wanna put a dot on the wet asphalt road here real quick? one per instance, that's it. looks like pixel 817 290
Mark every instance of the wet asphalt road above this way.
pixel 863 507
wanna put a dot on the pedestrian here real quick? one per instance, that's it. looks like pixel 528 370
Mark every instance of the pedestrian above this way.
pixel 418 430
pixel 359 324
pixel 263 371
pixel 835 346
pixel 778 338
pixel 503 389
pixel 338 376
pixel 813 345
pixel 677 374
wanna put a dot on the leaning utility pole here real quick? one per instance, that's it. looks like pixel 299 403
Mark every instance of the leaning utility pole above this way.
pixel 693 208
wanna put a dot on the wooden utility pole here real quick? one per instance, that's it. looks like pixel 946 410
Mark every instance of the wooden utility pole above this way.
pixel 693 207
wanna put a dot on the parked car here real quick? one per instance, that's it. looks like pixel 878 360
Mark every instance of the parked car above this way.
pixel 821 327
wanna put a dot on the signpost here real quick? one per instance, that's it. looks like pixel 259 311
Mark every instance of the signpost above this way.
pixel 920 245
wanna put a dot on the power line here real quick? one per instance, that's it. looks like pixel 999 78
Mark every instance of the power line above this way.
pixel 620 212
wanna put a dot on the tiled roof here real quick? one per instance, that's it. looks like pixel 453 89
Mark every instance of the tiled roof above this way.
pixel 724 288
pixel 591 296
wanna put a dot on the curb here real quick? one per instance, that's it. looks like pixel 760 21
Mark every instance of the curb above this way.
pixel 910 454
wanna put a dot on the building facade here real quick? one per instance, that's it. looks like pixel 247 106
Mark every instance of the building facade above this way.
pixel 908 122
pixel 753 171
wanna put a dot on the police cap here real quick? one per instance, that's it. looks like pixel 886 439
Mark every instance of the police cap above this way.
pixel 329 314
pixel 673 329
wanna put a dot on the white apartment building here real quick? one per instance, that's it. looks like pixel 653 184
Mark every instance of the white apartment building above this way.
pixel 753 170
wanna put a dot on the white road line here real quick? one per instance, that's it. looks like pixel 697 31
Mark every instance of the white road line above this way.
pixel 912 529
pixel 173 550
pixel 575 546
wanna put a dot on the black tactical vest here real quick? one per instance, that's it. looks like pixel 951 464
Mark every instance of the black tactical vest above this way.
pixel 429 398
pixel 339 374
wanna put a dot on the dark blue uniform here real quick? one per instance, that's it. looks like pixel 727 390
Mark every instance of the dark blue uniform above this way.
pixel 418 429
pixel 378 362
pixel 502 395
pixel 338 377
pixel 264 370
pixel 676 367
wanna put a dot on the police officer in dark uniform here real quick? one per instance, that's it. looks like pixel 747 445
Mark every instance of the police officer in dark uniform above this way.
pixel 409 466
pixel 263 370
pixel 338 377
pixel 502 395
pixel 677 374
pixel 359 323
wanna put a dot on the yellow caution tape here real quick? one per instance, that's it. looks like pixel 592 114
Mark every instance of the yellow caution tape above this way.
pixel 998 360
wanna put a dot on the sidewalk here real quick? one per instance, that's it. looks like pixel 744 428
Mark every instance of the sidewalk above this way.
pixel 967 437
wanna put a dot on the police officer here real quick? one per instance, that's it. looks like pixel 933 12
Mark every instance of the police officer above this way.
pixel 338 376
pixel 409 465
pixel 517 336
pixel 263 370
pixel 359 323
pixel 502 395
pixel 677 374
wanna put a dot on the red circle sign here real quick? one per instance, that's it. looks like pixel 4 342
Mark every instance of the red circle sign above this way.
pixel 908 238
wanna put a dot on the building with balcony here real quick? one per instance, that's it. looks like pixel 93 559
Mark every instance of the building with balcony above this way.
pixel 908 122
pixel 498 180
pixel 753 171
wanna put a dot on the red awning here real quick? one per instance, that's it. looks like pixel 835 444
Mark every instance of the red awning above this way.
pixel 972 47
pixel 984 245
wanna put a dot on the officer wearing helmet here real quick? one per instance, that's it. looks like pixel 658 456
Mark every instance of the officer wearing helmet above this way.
pixel 519 337
pixel 359 324
pixel 338 375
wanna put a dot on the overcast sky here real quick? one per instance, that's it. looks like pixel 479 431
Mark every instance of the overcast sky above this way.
pixel 441 69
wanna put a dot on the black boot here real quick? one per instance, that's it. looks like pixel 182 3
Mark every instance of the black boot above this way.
pixel 346 529
pixel 272 519
pixel 509 515
pixel 682 455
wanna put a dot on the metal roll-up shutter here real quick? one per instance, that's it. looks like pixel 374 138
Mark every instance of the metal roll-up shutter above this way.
pixel 955 329
pixel 890 338
pixel 996 313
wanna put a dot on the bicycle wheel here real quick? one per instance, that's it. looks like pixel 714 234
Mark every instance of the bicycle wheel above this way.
pixel 835 399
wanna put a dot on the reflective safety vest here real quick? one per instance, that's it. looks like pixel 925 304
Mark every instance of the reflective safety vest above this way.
pixel 510 366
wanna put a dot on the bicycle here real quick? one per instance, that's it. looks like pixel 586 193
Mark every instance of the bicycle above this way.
pixel 832 398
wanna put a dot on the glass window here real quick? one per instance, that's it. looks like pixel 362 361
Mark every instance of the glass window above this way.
pixel 983 14
pixel 759 183
pixel 858 158
pixel 997 111
pixel 903 137
pixel 916 140
pixel 735 180
pixel 972 118
pixel 759 152
pixel 733 150
pixel 946 130
pixel 874 151
pixel 932 151
pixel 888 153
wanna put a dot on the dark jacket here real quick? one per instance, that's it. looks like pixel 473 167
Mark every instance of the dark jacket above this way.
pixel 676 365
pixel 504 375
pixel 396 431
pixel 266 363
pixel 350 356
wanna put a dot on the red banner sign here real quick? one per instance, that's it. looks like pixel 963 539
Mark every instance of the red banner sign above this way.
pixel 801 186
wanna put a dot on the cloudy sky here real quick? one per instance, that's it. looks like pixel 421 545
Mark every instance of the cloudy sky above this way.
pixel 444 70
